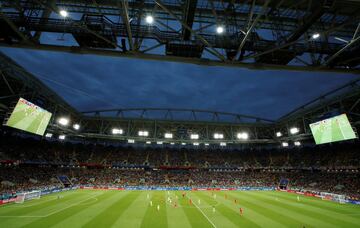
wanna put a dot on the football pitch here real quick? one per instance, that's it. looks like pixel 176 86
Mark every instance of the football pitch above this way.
pixel 112 208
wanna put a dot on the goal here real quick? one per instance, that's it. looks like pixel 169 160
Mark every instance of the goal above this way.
pixel 334 197
pixel 21 197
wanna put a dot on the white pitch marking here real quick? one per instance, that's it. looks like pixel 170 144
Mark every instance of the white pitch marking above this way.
pixel 203 214
pixel 43 216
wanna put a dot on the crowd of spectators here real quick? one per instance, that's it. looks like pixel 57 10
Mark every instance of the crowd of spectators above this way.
pixel 27 164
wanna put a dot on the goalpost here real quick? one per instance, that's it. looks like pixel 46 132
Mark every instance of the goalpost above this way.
pixel 21 197
pixel 334 197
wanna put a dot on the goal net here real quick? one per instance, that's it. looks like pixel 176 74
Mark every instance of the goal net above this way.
pixel 21 197
pixel 334 197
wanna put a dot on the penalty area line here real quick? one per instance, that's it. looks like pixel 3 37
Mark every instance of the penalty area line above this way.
pixel 203 214
pixel 52 213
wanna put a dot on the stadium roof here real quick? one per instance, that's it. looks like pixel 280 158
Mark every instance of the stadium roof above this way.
pixel 92 82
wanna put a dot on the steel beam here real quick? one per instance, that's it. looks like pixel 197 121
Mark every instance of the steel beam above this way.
pixel 204 62
pixel 202 39
pixel 264 8
pixel 125 16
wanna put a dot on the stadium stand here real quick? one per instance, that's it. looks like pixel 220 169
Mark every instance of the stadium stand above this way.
pixel 28 164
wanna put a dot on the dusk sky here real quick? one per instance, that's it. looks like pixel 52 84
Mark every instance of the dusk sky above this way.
pixel 94 82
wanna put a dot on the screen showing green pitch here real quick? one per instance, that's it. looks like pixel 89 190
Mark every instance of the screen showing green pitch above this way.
pixel 334 129
pixel 29 117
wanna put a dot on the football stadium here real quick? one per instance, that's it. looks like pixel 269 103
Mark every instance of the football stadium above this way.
pixel 179 113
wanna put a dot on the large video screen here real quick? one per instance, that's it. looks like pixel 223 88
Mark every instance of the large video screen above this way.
pixel 28 117
pixel 334 129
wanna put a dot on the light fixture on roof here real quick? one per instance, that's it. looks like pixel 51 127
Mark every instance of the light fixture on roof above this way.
pixel 131 141
pixel 62 137
pixel 278 134
pixel 149 19
pixel 285 144
pixel 196 144
pixel 168 135
pixel 223 144
pixel 63 13
pixel 159 142
pixel 148 142
pixel 117 131
pixel 218 136
pixel 206 144
pixel 48 135
pixel 183 144
pixel 194 136
pixel 315 36
pixel 76 126
pixel 297 143
pixel 220 29
pixel 294 130
pixel 242 135
pixel 63 121
pixel 172 143
pixel 143 133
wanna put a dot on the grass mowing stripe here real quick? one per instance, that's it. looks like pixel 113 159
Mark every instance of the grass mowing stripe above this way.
pixel 63 213
pixel 88 210
pixel 154 217
pixel 176 217
pixel 195 218
pixel 134 214
pixel 312 201
pixel 327 214
pixel 254 213
pixel 315 214
pixel 202 213
pixel 38 207
pixel 290 218
pixel 109 216
pixel 226 211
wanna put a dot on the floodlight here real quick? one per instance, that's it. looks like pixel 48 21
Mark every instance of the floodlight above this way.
pixel 219 29
pixel 117 131
pixel 297 143
pixel 168 135
pixel 294 130
pixel 48 135
pixel 183 144
pixel 131 141
pixel 196 144
pixel 143 133
pixel 218 136
pixel 76 126
pixel 63 121
pixel 172 143
pixel 242 135
pixel 148 142
pixel 285 144
pixel 206 144
pixel 222 144
pixel 278 134
pixel 194 136
pixel 63 13
pixel 149 19
pixel 62 137
pixel 159 143
pixel 315 36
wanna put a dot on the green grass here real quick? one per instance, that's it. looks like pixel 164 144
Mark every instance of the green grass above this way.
pixel 112 208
